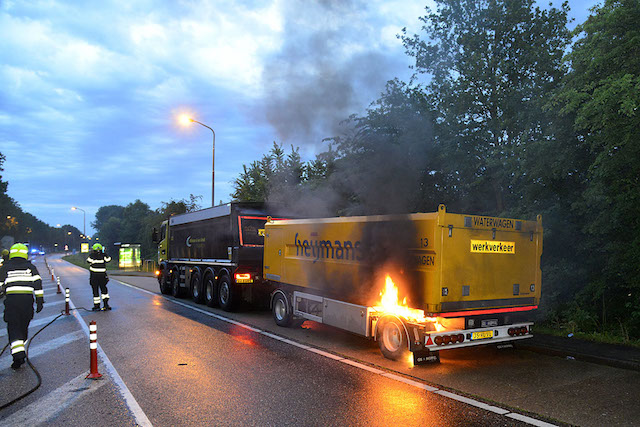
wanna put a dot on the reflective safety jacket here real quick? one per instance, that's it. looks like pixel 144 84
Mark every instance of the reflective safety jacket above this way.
pixel 19 277
pixel 98 262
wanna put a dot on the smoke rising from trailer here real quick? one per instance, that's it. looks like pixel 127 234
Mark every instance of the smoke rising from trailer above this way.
pixel 318 79
pixel 324 71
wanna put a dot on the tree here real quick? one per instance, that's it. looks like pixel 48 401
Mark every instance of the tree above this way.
pixel 601 94
pixel 273 178
pixel 105 213
pixel 491 64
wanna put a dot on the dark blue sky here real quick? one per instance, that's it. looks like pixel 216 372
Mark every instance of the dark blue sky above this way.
pixel 90 94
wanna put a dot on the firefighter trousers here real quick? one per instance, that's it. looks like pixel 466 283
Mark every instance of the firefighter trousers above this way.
pixel 98 283
pixel 18 312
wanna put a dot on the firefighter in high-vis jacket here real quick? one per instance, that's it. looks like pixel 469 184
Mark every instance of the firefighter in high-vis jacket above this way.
pixel 21 282
pixel 98 276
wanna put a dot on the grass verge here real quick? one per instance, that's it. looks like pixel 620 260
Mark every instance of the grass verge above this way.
pixel 599 337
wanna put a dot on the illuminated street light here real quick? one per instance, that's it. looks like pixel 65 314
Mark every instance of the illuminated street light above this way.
pixel 185 120
pixel 84 219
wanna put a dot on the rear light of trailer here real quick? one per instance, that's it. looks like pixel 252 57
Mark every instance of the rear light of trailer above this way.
pixel 243 278
pixel 448 339
pixel 517 331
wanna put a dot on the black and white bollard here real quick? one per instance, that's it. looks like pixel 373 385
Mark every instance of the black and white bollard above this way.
pixel 66 302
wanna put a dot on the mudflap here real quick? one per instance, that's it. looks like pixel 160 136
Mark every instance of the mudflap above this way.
pixel 423 357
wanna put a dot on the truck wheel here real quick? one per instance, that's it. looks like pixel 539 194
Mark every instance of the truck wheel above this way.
pixel 392 338
pixel 165 288
pixel 196 288
pixel 225 293
pixel 209 288
pixel 281 310
pixel 176 291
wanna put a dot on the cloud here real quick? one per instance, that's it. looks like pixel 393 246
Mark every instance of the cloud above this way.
pixel 90 91
pixel 332 62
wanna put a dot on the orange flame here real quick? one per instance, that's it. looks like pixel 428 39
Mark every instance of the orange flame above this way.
pixel 389 304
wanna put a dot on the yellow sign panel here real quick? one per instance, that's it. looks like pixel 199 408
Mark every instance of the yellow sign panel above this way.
pixel 84 247
pixel 493 247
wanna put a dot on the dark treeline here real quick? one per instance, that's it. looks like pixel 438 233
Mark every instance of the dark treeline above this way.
pixel 519 116
pixel 133 223
pixel 16 225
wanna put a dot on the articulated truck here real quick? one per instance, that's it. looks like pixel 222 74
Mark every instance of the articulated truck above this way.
pixel 416 283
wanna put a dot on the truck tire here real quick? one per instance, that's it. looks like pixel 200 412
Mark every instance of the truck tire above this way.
pixel 281 310
pixel 210 290
pixel 225 293
pixel 196 286
pixel 392 338
pixel 163 280
pixel 176 290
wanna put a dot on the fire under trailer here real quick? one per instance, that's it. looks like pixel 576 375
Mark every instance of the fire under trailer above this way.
pixel 468 280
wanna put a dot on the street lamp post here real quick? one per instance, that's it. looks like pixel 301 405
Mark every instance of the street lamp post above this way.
pixel 84 219
pixel 185 120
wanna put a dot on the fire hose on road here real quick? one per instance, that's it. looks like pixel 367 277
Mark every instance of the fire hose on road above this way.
pixel 33 368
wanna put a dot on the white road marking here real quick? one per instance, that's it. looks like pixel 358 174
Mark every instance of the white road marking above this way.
pixel 472 402
pixel 362 366
pixel 399 378
pixel 51 405
pixel 410 382
pixel 43 347
pixel 50 303
pixel 529 420
pixel 296 344
pixel 325 354
pixel 51 294
pixel 34 323
pixel 138 413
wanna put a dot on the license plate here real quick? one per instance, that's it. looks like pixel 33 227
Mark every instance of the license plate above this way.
pixel 481 335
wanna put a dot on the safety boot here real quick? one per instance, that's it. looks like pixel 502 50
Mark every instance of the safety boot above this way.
pixel 96 307
pixel 106 305
pixel 17 362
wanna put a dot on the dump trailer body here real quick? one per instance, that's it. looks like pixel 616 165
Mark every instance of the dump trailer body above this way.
pixel 225 233
pixel 445 264
pixel 215 254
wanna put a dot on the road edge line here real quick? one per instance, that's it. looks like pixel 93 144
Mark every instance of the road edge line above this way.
pixel 139 415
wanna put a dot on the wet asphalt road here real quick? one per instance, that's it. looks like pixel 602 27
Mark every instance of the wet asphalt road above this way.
pixel 184 367
pixel 558 388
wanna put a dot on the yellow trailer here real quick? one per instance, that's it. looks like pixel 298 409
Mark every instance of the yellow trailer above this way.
pixel 465 279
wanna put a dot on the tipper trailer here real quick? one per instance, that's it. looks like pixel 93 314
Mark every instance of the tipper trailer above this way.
pixel 214 255
pixel 468 280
